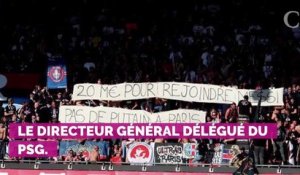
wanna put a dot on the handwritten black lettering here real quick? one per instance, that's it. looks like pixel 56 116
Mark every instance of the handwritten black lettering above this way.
pixel 194 93
pixel 128 89
pixel 205 93
pixel 150 89
pixel 81 90
pixel 136 90
pixel 112 92
pixel 213 94
pixel 103 91
pixel 184 92
pixel 220 94
pixel 114 117
pixel 195 118
pixel 90 91
pixel 228 92
pixel 74 116
pixel 166 88
pixel 172 117
pixel 174 89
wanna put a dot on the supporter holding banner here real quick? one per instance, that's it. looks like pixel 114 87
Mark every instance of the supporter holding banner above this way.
pixel 101 114
pixel 203 93
pixel 57 73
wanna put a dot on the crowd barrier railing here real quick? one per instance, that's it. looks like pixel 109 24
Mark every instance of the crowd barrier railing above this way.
pixel 140 167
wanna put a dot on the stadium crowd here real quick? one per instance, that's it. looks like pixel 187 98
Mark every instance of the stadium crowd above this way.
pixel 202 42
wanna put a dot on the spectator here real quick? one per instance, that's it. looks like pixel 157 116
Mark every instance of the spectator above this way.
pixel 15 119
pixel 278 143
pixel 53 110
pixel 1 109
pixel 214 116
pixel 201 151
pixel 292 143
pixel 10 109
pixel 116 157
pixel 25 112
pixel 94 155
pixel 2 131
pixel 259 148
pixel 245 109
pixel 231 114
pixel 79 156
pixel 3 135
pixel 71 156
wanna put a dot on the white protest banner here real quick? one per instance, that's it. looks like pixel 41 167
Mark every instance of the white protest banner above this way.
pixel 195 92
pixel 86 114
pixel 204 93
pixel 269 97
pixel 116 92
